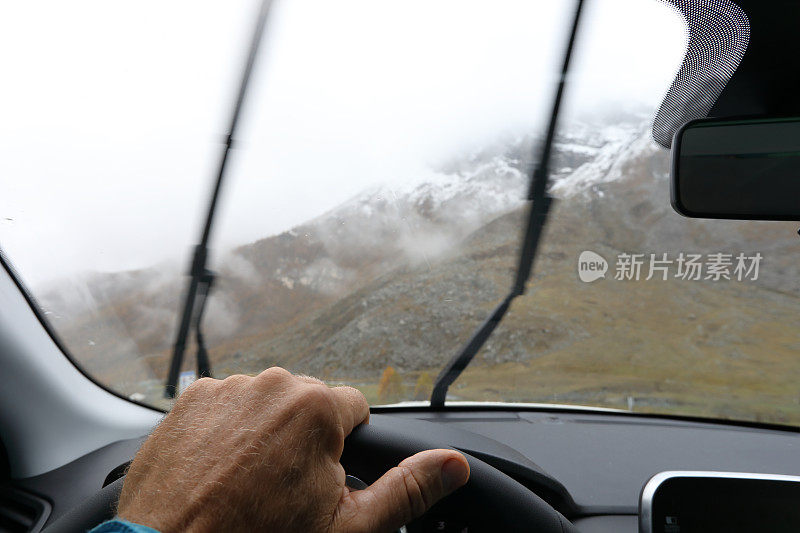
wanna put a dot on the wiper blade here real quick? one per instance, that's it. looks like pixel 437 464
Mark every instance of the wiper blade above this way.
pixel 538 208
pixel 201 278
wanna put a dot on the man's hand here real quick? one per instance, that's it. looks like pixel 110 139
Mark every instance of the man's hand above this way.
pixel 262 453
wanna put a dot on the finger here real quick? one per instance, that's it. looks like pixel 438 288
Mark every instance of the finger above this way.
pixel 405 492
pixel 350 402
pixel 353 407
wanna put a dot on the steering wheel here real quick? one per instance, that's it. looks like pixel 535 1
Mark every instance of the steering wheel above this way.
pixel 490 501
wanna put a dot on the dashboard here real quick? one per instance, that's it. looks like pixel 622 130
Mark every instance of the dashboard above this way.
pixel 589 466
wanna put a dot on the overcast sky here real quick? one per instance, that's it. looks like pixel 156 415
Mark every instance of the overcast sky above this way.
pixel 111 112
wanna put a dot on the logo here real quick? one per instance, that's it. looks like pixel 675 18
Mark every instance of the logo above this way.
pixel 591 266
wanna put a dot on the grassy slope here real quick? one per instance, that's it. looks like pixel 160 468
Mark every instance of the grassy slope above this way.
pixel 719 349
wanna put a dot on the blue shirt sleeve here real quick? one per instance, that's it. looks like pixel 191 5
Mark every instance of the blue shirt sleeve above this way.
pixel 122 526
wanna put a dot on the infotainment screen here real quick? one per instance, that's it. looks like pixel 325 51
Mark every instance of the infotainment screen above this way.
pixel 708 502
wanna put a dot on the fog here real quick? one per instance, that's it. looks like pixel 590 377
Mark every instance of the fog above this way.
pixel 113 112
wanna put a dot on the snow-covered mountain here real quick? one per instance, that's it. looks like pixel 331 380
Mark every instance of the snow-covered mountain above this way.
pixel 421 220
pixel 275 283
pixel 401 276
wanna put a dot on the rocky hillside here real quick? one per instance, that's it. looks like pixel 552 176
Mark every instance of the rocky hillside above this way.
pixel 123 323
pixel 400 276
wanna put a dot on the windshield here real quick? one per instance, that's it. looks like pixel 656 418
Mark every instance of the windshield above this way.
pixel 374 207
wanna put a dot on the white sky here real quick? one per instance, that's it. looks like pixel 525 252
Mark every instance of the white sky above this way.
pixel 111 112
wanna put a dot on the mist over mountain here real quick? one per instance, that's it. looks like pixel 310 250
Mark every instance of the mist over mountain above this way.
pixel 400 276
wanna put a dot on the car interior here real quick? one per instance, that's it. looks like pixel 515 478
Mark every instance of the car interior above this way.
pixel 558 461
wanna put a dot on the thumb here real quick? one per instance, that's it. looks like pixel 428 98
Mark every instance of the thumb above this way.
pixel 408 490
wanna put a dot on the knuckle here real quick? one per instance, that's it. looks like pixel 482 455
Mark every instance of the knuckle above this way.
pixel 274 375
pixel 352 392
pixel 319 406
pixel 204 383
pixel 236 380
pixel 317 399
pixel 354 396
pixel 199 387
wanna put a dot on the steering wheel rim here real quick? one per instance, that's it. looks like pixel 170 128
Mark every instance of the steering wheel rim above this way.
pixel 490 501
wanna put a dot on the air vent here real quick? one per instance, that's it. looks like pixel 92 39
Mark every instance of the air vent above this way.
pixel 21 512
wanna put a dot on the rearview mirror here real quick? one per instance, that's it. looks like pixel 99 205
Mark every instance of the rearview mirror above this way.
pixel 747 169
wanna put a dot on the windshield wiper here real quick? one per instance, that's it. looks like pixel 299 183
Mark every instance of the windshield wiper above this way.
pixel 201 278
pixel 538 208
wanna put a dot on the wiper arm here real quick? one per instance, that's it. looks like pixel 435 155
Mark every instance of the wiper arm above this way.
pixel 201 278
pixel 538 208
